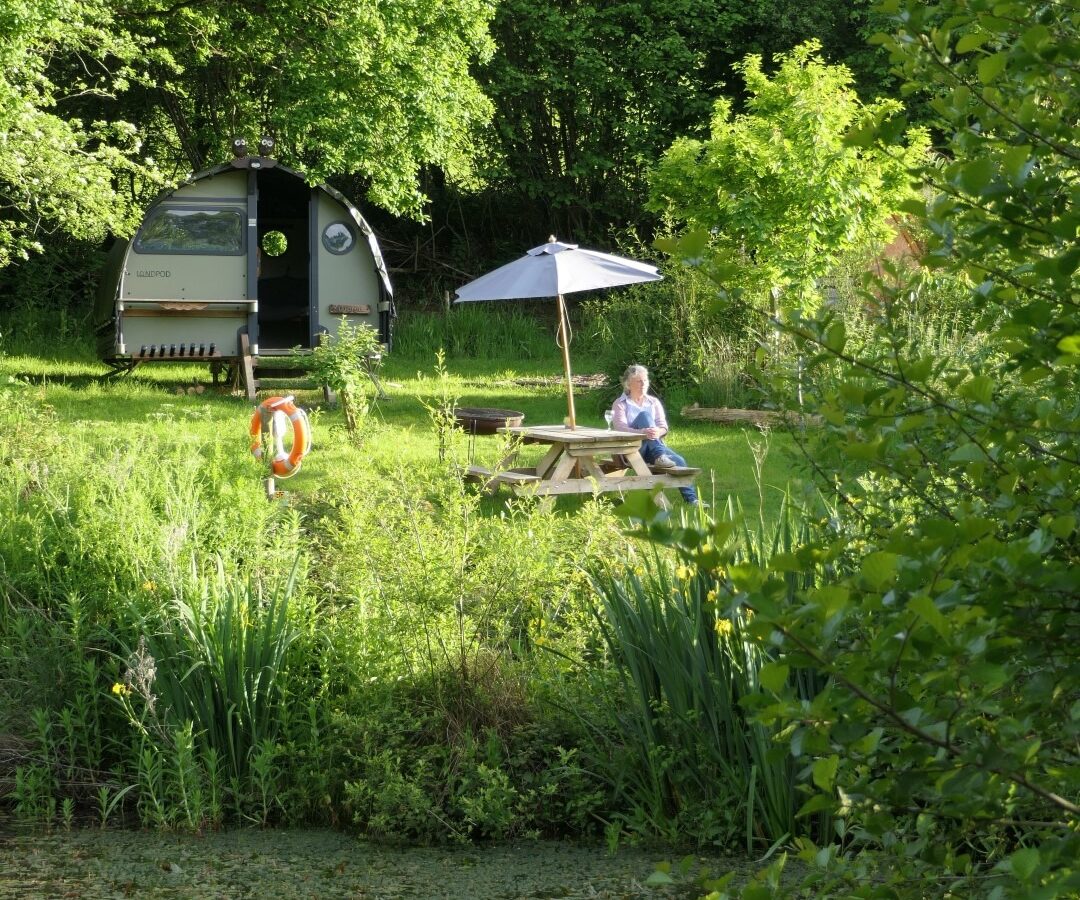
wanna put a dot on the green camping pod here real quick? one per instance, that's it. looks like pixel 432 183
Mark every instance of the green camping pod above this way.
pixel 243 260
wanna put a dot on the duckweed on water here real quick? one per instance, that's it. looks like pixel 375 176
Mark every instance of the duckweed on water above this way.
pixel 280 865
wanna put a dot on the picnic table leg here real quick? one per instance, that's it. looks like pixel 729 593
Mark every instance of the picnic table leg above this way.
pixel 504 464
pixel 563 469
pixel 547 460
pixel 637 463
pixel 641 468
pixel 591 468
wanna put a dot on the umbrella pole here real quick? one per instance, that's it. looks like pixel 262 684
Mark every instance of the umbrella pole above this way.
pixel 564 335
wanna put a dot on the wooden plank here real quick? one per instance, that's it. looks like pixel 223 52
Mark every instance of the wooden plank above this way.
pixel 490 478
pixel 637 463
pixel 516 478
pixel 607 449
pixel 563 435
pixel 606 485
pixel 592 470
pixel 725 416
pixel 186 314
pixel 563 468
pixel 548 460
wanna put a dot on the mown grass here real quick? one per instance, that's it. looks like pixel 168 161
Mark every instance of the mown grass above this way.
pixel 399 429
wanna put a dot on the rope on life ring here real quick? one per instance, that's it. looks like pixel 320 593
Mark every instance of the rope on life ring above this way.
pixel 284 464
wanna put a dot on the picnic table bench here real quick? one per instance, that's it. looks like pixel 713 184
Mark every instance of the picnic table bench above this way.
pixel 581 460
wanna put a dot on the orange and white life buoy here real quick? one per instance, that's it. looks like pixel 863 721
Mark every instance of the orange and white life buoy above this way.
pixel 265 420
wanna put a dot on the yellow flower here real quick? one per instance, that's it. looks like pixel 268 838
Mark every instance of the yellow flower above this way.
pixel 711 596
pixel 683 573
pixel 149 586
pixel 724 628
pixel 120 689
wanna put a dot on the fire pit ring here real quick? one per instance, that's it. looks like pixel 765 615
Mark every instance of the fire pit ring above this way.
pixel 486 419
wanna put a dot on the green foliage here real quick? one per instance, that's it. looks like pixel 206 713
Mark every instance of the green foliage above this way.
pixel 59 171
pixel 372 89
pixel 476 331
pixel 588 95
pixel 689 676
pixel 663 326
pixel 340 363
pixel 774 196
pixel 216 659
pixel 946 739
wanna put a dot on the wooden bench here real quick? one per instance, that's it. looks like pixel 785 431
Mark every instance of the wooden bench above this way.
pixel 491 480
pixel 675 470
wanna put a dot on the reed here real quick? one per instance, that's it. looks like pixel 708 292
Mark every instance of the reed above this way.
pixel 218 659
pixel 687 669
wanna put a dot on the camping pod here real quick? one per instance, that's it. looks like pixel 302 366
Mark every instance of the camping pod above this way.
pixel 243 260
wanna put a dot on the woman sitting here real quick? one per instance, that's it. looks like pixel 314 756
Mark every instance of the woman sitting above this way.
pixel 636 410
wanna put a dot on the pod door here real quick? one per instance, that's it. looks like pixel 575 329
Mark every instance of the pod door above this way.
pixel 284 270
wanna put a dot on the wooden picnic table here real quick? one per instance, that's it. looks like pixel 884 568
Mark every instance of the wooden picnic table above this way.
pixel 580 460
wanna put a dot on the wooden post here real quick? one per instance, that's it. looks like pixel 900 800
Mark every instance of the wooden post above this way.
pixel 564 340
pixel 246 365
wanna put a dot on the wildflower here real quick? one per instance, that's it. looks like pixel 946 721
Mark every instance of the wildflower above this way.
pixel 724 628
pixel 120 690
pixel 711 596
pixel 683 573
pixel 149 587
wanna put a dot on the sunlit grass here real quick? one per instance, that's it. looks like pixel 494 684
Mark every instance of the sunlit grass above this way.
pixel 399 430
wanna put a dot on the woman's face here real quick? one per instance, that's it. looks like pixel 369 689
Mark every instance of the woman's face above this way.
pixel 637 384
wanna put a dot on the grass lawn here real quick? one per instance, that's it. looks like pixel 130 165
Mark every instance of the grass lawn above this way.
pixel 399 430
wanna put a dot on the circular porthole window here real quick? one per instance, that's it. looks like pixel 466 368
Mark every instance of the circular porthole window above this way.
pixel 274 243
pixel 338 238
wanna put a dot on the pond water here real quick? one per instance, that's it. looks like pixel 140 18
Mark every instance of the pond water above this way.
pixel 276 865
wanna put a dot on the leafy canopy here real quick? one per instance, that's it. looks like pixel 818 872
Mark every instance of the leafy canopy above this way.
pixel 375 89
pixel 946 602
pixel 775 192
pixel 57 171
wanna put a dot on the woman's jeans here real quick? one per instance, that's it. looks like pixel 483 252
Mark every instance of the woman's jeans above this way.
pixel 652 450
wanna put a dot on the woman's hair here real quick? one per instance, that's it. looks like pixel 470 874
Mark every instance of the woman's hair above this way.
pixel 632 372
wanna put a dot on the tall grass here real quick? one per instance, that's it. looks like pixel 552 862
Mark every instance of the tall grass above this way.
pixel 687 673
pixel 218 658
pixel 475 331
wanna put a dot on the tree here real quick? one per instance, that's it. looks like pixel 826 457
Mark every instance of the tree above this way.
pixel 373 89
pixel 946 612
pixel 58 172
pixel 775 192
pixel 588 94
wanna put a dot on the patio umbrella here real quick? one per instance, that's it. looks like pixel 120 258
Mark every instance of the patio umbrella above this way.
pixel 551 270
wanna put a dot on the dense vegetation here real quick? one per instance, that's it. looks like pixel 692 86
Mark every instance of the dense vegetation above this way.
pixel 876 674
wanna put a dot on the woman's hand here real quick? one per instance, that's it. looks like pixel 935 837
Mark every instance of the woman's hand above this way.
pixel 652 433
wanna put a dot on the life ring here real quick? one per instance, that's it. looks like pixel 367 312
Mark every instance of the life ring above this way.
pixel 284 464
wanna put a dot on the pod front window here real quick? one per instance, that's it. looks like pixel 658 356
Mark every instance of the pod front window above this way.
pixel 214 232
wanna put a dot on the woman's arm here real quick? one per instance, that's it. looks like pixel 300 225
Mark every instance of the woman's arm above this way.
pixel 618 416
pixel 659 416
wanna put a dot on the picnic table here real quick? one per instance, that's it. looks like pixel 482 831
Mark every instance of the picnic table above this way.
pixel 579 460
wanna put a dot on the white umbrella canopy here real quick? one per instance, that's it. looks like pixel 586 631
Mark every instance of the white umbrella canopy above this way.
pixel 551 270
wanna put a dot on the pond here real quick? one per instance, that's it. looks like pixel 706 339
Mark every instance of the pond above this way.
pixel 276 865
